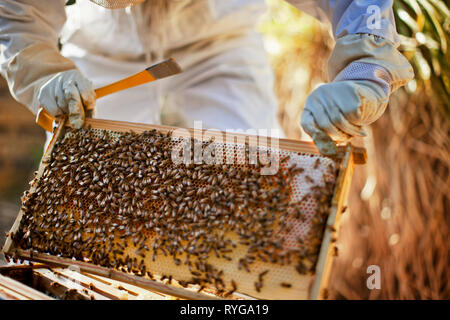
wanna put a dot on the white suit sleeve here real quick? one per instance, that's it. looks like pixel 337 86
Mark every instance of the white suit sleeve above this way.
pixel 366 41
pixel 365 67
pixel 349 17
pixel 29 52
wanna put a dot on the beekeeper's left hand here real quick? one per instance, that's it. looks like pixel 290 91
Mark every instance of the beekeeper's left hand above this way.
pixel 366 69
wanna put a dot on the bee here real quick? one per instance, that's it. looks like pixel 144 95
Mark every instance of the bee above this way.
pixel 335 251
pixel 258 286
pixel 201 289
pixel 233 288
pixel 286 285
pixel 301 268
pixel 285 159
pixel 317 163
pixel 325 294
pixel 309 179
pixel 195 273
pixel 262 274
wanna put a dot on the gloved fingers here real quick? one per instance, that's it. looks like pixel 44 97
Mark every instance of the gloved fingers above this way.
pixel 343 125
pixel 90 113
pixel 321 139
pixel 76 115
pixel 373 103
pixel 48 102
pixel 74 104
pixel 87 92
pixel 334 106
pixel 49 98
pixel 324 123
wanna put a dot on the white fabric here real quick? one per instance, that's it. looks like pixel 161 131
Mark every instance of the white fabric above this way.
pixel 136 104
pixel 129 34
pixel 28 46
pixel 367 71
pixel 116 4
pixel 347 17
pixel 232 90
pixel 124 34
pixel 227 82
pixel 365 48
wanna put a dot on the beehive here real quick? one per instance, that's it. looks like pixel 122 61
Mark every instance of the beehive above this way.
pixel 110 198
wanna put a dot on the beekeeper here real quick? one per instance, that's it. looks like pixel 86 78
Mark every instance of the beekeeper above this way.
pixel 227 82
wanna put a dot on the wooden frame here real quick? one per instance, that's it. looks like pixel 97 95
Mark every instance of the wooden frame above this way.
pixel 351 156
pixel 40 282
pixel 338 203
pixel 13 289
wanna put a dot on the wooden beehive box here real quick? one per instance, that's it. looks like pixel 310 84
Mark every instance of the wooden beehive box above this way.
pixel 111 201
pixel 40 282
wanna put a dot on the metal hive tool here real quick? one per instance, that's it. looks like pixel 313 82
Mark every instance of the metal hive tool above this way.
pixel 111 223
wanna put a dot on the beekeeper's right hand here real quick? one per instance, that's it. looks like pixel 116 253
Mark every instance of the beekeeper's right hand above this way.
pixel 69 93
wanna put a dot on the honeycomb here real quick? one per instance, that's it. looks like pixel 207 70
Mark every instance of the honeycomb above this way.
pixel 116 199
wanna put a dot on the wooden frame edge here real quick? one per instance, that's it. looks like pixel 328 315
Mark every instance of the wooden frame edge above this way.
pixel 326 254
pixel 23 289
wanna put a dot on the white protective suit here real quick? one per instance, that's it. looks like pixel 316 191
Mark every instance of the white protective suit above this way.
pixel 227 82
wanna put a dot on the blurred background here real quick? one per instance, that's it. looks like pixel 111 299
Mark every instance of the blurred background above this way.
pixel 399 214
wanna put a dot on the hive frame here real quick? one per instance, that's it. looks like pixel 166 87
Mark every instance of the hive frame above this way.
pixel 350 156
pixel 20 282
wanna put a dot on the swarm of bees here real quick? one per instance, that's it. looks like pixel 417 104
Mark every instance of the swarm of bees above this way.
pixel 99 194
